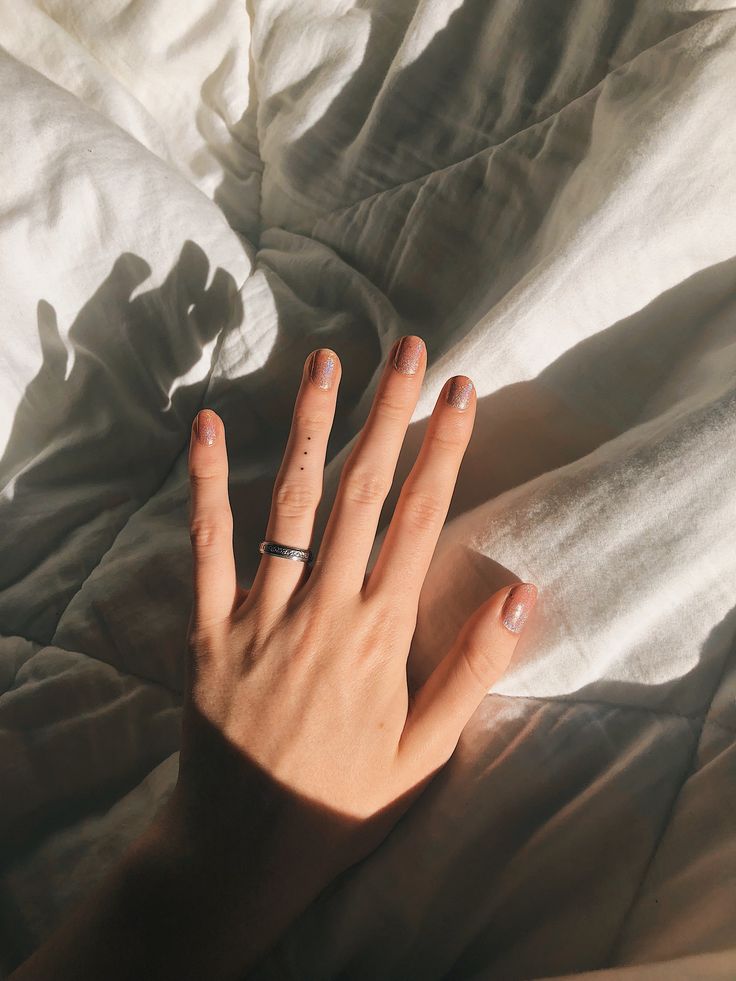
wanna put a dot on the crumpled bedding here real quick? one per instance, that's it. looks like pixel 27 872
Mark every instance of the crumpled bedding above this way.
pixel 196 195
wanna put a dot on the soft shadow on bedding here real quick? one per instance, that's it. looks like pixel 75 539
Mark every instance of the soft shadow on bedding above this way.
pixel 286 829
pixel 377 130
pixel 95 434
pixel 600 388
pixel 593 392
pixel 102 422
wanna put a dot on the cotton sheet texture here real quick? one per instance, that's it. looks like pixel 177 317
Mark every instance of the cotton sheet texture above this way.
pixel 195 195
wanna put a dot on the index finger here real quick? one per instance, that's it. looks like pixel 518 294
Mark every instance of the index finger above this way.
pixel 421 509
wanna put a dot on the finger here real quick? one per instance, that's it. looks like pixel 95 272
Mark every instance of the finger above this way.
pixel 367 473
pixel 422 506
pixel 298 486
pixel 211 522
pixel 455 689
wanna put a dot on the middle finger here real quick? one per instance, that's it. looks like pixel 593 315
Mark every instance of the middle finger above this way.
pixel 368 472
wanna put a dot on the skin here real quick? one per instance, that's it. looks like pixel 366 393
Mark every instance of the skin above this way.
pixel 301 744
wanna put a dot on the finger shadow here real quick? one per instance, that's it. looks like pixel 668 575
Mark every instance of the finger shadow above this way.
pixel 101 423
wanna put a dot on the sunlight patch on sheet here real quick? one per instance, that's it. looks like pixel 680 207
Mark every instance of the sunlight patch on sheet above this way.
pixel 430 18
pixel 197 373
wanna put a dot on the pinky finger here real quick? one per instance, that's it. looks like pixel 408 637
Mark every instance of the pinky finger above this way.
pixel 211 523
pixel 480 655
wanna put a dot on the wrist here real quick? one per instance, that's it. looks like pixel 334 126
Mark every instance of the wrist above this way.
pixel 231 879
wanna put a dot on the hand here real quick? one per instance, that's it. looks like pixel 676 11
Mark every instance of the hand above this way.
pixel 305 675
pixel 302 744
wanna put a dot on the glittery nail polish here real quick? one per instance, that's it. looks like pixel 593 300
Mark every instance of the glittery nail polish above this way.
pixel 408 355
pixel 322 368
pixel 459 392
pixel 206 427
pixel 518 605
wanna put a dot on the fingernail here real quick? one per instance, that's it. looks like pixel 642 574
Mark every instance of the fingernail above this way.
pixel 322 368
pixel 205 426
pixel 408 355
pixel 459 392
pixel 518 605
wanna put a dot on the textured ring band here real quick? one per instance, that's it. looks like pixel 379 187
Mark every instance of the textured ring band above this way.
pixel 285 551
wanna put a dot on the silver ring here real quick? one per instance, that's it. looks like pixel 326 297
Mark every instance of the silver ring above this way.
pixel 285 551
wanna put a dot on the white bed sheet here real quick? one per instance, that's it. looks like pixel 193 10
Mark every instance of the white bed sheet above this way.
pixel 195 195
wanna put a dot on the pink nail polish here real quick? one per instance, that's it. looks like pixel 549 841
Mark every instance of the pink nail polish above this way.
pixel 322 368
pixel 518 605
pixel 408 355
pixel 459 392
pixel 206 427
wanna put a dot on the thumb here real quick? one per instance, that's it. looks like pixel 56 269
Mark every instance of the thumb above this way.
pixel 480 655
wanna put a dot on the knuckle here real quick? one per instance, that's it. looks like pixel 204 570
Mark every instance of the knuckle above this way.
pixel 208 531
pixel 480 661
pixel 361 486
pixel 207 478
pixel 448 437
pixel 476 664
pixel 390 406
pixel 423 510
pixel 199 639
pixel 310 421
pixel 294 498
pixel 388 625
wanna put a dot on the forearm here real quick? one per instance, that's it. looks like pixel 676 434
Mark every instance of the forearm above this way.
pixel 170 910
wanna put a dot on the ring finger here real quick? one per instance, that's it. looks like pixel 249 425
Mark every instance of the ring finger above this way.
pixel 298 486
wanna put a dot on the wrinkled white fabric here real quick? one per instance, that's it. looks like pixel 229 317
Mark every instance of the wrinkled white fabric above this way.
pixel 196 195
